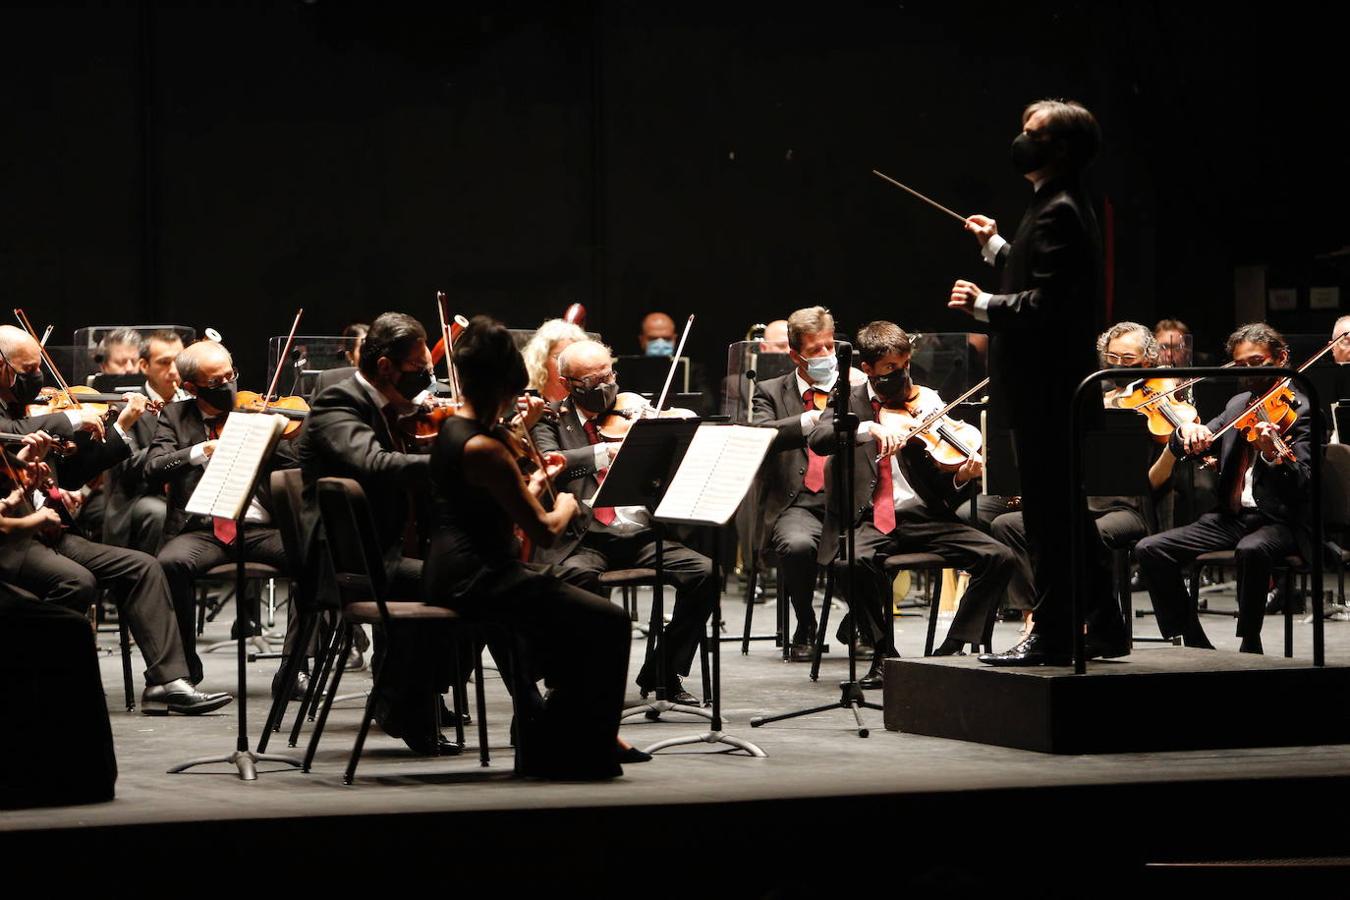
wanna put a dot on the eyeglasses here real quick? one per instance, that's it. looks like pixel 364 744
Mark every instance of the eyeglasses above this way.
pixel 1128 360
pixel 591 381
pixel 218 382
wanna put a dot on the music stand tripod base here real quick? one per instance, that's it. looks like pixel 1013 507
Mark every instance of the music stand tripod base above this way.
pixel 245 760
pixel 652 709
pixel 709 737
pixel 851 697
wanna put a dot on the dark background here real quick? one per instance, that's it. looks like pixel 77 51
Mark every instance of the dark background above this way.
pixel 224 166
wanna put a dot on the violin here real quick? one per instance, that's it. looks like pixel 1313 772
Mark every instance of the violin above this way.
pixel 293 409
pixel 61 448
pixel 58 400
pixel 420 428
pixel 614 423
pixel 1276 406
pixel 950 443
pixel 1155 399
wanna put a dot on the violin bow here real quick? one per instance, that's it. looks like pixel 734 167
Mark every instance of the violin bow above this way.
pixel 51 366
pixel 447 342
pixel 281 361
pixel 675 363
pixel 928 422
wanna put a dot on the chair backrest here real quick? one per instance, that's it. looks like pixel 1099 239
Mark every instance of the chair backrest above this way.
pixel 350 529
pixel 1336 487
pixel 286 485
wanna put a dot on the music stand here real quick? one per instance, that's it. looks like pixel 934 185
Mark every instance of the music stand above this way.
pixel 239 457
pixel 639 475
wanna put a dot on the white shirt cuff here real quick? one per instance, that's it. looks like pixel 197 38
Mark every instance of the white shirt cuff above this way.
pixel 981 308
pixel 74 416
pixel 197 455
pixel 118 428
pixel 601 456
pixel 809 419
pixel 991 249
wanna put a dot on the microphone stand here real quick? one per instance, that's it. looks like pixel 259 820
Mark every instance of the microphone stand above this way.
pixel 851 695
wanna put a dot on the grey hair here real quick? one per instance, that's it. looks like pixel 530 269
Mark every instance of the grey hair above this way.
pixel 189 362
pixel 1120 329
pixel 571 350
pixel 12 339
pixel 128 336
pixel 539 347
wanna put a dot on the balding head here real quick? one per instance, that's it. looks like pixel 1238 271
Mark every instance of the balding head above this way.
pixel 19 348
pixel 208 370
pixel 584 358
pixel 775 338
pixel 1340 351
pixel 656 326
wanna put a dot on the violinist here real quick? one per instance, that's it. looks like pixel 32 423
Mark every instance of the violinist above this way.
pixel 541 356
pixel 792 486
pixel 1262 500
pixel 356 430
pixel 1340 352
pixel 21 383
pixel 68 569
pixel 119 352
pixel 905 503
pixel 184 439
pixel 1121 521
pixel 599 540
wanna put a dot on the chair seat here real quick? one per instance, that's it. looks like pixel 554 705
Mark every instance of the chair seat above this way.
pixel 1229 558
pixel 251 570
pixel 915 561
pixel 367 612
pixel 629 577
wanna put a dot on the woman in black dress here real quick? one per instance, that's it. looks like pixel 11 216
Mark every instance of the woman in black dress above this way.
pixel 576 641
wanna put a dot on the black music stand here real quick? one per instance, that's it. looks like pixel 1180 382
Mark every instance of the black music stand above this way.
pixel 244 759
pixel 639 475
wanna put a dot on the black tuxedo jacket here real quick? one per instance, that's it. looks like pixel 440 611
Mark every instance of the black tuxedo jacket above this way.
pixel 936 489
pixel 126 482
pixel 1280 491
pixel 1048 310
pixel 560 433
pixel 778 404
pixel 179 429
pixel 92 457
pixel 347 436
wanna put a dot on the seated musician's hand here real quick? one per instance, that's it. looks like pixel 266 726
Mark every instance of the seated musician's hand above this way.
pixel 92 422
pixel 1266 433
pixel 73 499
pixel 35 446
pixel 46 520
pixel 982 227
pixel 889 440
pixel 566 504
pixel 1195 438
pixel 612 447
pixel 11 500
pixel 963 296
pixel 553 464
pixel 134 409
pixel 970 470
pixel 209 447
pixel 531 408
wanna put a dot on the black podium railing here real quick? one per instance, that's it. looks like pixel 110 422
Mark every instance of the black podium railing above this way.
pixel 1078 511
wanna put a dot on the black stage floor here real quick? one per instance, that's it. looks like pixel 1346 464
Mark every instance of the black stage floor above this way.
pixel 826 808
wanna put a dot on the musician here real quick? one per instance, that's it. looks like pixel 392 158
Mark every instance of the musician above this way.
pixel 1173 336
pixel 353 431
pixel 21 383
pixel 1262 502
pixel 792 486
pixel 1340 352
pixel 119 353
pixel 657 337
pixel 67 569
pixel 184 439
pixel 541 356
pixel 356 333
pixel 1121 521
pixel 577 641
pixel 1049 298
pixel 135 511
pixel 905 504
pixel 617 538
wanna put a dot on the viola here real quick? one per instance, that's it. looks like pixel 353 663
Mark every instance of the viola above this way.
pixel 950 443
pixel 61 447
pixel 293 409
pixel 614 423
pixel 1276 406
pixel 1156 399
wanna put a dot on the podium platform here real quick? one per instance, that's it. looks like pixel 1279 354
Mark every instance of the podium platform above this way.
pixel 1160 698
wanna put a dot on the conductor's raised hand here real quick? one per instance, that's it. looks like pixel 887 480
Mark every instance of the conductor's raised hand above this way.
pixel 982 227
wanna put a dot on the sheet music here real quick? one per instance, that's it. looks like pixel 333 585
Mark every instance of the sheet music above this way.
pixel 227 485
pixel 716 474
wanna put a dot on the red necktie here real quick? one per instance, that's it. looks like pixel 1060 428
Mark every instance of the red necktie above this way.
pixel 815 463
pixel 225 530
pixel 883 498
pixel 603 514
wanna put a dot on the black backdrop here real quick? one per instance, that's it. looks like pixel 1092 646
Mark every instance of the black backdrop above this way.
pixel 224 166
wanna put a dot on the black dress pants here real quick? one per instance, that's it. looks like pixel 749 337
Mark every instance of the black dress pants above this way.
pixel 690 572
pixel 191 554
pixel 795 538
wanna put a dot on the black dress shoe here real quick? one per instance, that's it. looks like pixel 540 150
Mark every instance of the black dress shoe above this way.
pixel 874 679
pixel 179 697
pixel 679 696
pixel 633 755
pixel 448 717
pixel 951 647
pixel 802 652
pixel 1034 650
pixel 298 691
pixel 426 745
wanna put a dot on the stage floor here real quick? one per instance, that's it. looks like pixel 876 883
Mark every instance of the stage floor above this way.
pixel 816 766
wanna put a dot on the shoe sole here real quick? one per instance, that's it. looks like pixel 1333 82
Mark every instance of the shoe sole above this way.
pixel 159 708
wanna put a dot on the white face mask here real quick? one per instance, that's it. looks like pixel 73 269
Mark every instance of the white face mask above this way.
pixel 821 369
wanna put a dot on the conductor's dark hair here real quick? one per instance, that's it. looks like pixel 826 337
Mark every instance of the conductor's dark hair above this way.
pixel 392 335
pixel 1257 333
pixel 878 339
pixel 489 365
pixel 1070 122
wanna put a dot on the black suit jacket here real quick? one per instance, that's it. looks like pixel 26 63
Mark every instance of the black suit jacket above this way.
pixel 13 421
pixel 179 429
pixel 1281 492
pixel 347 436
pixel 1048 310
pixel 778 404
pixel 126 482
pixel 936 489
pixel 91 458
pixel 560 433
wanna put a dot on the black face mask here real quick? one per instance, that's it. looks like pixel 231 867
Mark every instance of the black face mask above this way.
pixel 1029 154
pixel 893 385
pixel 597 399
pixel 27 386
pixel 1255 383
pixel 220 398
pixel 410 384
